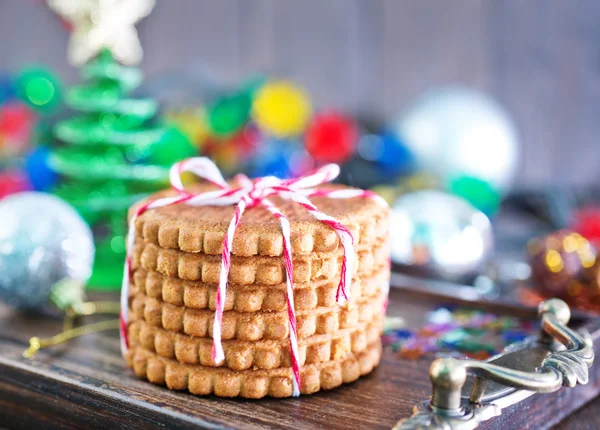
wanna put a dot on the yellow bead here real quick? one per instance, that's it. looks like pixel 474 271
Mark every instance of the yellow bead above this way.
pixel 570 243
pixel 554 261
pixel 282 109
pixel 588 259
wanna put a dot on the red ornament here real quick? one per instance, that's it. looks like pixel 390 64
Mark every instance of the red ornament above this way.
pixel 13 182
pixel 15 119
pixel 331 137
pixel 587 224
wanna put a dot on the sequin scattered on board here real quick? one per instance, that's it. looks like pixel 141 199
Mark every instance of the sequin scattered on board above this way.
pixel 457 332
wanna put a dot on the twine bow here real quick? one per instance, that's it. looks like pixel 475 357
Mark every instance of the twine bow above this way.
pixel 248 194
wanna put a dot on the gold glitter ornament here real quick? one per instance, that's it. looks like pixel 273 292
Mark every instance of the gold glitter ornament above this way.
pixel 560 263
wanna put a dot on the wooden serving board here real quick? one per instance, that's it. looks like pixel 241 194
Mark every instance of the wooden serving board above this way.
pixel 86 384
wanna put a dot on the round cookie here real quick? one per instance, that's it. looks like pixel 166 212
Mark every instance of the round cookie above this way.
pixel 252 270
pixel 253 298
pixel 253 326
pixel 202 228
pixel 253 384
pixel 263 354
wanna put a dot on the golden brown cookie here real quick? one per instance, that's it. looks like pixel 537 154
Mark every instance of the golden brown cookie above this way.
pixel 254 326
pixel 252 270
pixel 252 298
pixel 202 229
pixel 254 384
pixel 262 354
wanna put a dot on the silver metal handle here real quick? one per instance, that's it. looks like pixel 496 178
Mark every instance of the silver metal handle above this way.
pixel 566 365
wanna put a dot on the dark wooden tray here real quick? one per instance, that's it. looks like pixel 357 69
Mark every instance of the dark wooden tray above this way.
pixel 85 384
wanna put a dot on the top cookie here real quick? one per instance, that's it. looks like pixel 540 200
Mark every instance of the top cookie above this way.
pixel 203 228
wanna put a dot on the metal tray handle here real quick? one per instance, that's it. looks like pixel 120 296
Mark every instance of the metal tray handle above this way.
pixel 565 366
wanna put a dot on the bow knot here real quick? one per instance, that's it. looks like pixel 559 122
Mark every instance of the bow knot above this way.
pixel 255 191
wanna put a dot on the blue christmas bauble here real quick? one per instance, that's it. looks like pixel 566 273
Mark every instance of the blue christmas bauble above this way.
pixel 41 176
pixel 43 241
pixel 455 132
pixel 387 151
pixel 281 158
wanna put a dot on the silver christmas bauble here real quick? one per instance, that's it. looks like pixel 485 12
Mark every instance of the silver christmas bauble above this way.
pixel 441 235
pixel 43 241
pixel 454 132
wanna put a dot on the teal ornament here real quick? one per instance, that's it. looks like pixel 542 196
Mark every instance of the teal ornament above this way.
pixel 44 245
pixel 453 132
pixel 440 235
pixel 477 192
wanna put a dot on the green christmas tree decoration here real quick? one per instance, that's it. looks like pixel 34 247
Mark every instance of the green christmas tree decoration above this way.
pixel 110 154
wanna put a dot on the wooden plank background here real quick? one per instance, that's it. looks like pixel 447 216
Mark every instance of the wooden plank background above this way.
pixel 539 58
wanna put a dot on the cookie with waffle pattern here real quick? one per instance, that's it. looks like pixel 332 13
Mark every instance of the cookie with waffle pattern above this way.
pixel 253 326
pixel 253 270
pixel 252 298
pixel 253 384
pixel 201 229
pixel 262 354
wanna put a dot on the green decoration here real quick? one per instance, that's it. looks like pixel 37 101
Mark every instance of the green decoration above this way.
pixel 477 192
pixel 229 113
pixel 110 154
pixel 39 88
pixel 174 147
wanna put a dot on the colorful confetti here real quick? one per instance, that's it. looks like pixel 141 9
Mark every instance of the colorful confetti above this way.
pixel 458 332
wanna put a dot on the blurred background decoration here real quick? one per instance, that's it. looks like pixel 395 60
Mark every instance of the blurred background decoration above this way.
pixel 112 149
pixel 435 233
pixel 28 99
pixel 467 140
pixel 46 252
pixel 452 153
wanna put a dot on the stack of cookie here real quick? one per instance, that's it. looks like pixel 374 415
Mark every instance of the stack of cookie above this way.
pixel 176 265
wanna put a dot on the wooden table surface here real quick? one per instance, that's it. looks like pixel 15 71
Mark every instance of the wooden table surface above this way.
pixel 86 384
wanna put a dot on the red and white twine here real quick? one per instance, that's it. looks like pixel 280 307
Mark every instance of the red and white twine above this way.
pixel 252 193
